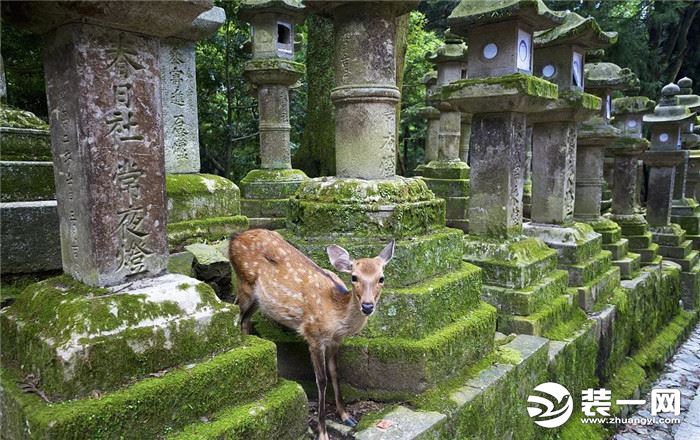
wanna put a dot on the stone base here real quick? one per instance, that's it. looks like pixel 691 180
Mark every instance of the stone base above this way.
pixel 450 181
pixel 635 230
pixel 20 144
pixel 687 216
pixel 26 181
pixel 78 339
pixel 266 196
pixel 235 393
pixel 206 230
pixel 30 237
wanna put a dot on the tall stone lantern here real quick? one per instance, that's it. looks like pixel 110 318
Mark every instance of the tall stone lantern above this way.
pixel 432 116
pixel 685 210
pixel 367 204
pixel 559 57
pixel 662 158
pixel 271 72
pixel 448 176
pixel 628 112
pixel 501 93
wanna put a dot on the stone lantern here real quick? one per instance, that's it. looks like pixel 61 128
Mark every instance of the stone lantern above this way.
pixel 266 191
pixel 432 115
pixel 685 210
pixel 501 93
pixel 447 176
pixel 662 158
pixel 628 112
pixel 559 56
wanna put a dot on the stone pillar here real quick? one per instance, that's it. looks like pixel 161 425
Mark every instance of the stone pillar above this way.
pixel 465 133
pixel 589 181
pixel 625 184
pixel 661 180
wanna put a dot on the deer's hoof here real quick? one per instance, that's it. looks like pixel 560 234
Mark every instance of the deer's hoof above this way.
pixel 350 421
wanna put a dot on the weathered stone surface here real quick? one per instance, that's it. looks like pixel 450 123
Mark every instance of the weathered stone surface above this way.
pixel 111 201
pixel 200 196
pixel 26 181
pixel 213 268
pixel 25 144
pixel 30 237
pixel 406 424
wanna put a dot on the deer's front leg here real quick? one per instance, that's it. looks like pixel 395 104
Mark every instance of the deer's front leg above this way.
pixel 318 358
pixel 339 405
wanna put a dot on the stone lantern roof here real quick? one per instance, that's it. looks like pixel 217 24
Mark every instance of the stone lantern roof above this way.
pixel 686 96
pixel 632 105
pixel 396 7
pixel 610 76
pixel 584 32
pixel 429 78
pixel 469 14
pixel 454 50
pixel 669 109
pixel 292 8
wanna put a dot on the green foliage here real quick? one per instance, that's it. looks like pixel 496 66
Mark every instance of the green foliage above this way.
pixel 22 54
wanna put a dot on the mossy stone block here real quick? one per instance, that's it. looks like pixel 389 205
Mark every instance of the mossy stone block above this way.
pixel 457 207
pixel 25 144
pixel 691 224
pixel 448 187
pixel 280 413
pixel 271 184
pixel 560 310
pixel 415 260
pixel 200 196
pixel 574 243
pixel 423 308
pixel 204 230
pixel 78 338
pixel 677 252
pixel 639 241
pixel 618 249
pixel 515 263
pixel 181 262
pixel 583 273
pixel 573 358
pixel 598 289
pixel 529 299
pixel 26 181
pixel 610 231
pixel 672 235
pixel 456 170
pixel 262 208
pixel 149 408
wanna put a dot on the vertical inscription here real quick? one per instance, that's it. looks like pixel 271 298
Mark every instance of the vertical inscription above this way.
pixel 176 76
pixel 69 173
pixel 570 174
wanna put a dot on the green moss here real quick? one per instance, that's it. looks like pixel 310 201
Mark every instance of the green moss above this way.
pixel 25 144
pixel 566 331
pixel 167 403
pixel 200 196
pixel 371 419
pixel 529 299
pixel 632 104
pixel 546 319
pixel 271 184
pixel 274 64
pixel 522 83
pixel 15 118
pixel 581 100
pixel 253 208
pixel 442 169
pixel 26 181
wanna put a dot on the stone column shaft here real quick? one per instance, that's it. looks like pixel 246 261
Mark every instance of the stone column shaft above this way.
pixel 498 161
pixel 464 138
pixel 659 199
pixel 680 179
pixel 365 95
pixel 553 172
pixel 431 141
pixel 449 135
pixel 104 98
pixel 589 182
pixel 273 104
pixel 624 194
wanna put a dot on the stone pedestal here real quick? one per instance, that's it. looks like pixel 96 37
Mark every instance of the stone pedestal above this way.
pixel 432 116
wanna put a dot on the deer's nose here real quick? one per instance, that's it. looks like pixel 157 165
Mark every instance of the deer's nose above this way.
pixel 367 308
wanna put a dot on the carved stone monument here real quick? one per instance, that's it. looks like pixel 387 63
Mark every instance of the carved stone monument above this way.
pixel 662 158
pixel 94 336
pixel 448 176
pixel 560 57
pixel 271 72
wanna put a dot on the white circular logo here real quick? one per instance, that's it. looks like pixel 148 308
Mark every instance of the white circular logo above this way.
pixel 663 137
pixel 553 409
pixel 548 71
pixel 490 51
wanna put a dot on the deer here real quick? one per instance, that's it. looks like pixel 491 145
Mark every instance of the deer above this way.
pixel 289 288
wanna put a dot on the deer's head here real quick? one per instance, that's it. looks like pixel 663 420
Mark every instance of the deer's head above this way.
pixel 366 274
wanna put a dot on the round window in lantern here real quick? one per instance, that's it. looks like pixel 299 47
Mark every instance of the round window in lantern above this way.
pixel 548 71
pixel 522 50
pixel 631 123
pixel 663 137
pixel 490 51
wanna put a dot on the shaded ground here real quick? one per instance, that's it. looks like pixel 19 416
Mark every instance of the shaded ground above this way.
pixel 356 409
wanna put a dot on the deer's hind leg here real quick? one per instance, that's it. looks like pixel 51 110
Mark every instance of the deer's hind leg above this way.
pixel 248 305
pixel 318 359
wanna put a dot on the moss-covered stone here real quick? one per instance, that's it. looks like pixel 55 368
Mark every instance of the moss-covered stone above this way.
pixel 205 230
pixel 558 311
pixel 264 208
pixel 150 408
pixel 15 118
pixel 26 181
pixel 529 299
pixel 573 354
pixel 585 272
pixel 441 169
pixel 271 184
pixel 77 338
pixel 281 413
pixel 448 187
pixel 25 144
pixel 416 260
pixel 598 289
pixel 200 196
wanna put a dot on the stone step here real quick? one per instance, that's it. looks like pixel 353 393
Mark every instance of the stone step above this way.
pixel 80 338
pixel 207 230
pixel 150 407
pixel 390 366
pixel 686 263
pixel 584 273
pixel 601 287
pixel 629 266
pixel 639 241
pixel 431 305
pixel 20 144
pixel 264 207
pixel 200 196
pixel 672 235
pixel 650 255
pixel 271 184
pixel 618 249
pixel 497 390
pixel 267 222
pixel 691 224
pixel 679 252
pixel 557 311
pixel 30 237
pixel 696 241
pixel 462 224
pixel 280 413
pixel 448 187
pixel 690 288
pixel 26 181
pixel 610 231
pixel 528 300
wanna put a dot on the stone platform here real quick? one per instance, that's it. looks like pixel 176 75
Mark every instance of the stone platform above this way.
pixel 450 181
pixel 675 247
pixel 265 196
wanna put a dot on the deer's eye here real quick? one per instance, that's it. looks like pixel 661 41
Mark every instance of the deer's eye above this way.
pixel 381 280
pixel 354 278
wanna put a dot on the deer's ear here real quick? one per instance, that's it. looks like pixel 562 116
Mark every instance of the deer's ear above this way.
pixel 388 252
pixel 340 259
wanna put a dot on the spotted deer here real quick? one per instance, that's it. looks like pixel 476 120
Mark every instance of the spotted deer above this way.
pixel 291 289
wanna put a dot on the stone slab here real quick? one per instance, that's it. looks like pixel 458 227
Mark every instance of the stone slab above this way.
pixel 200 196
pixel 406 424
pixel 26 181
pixel 30 237
pixel 19 144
